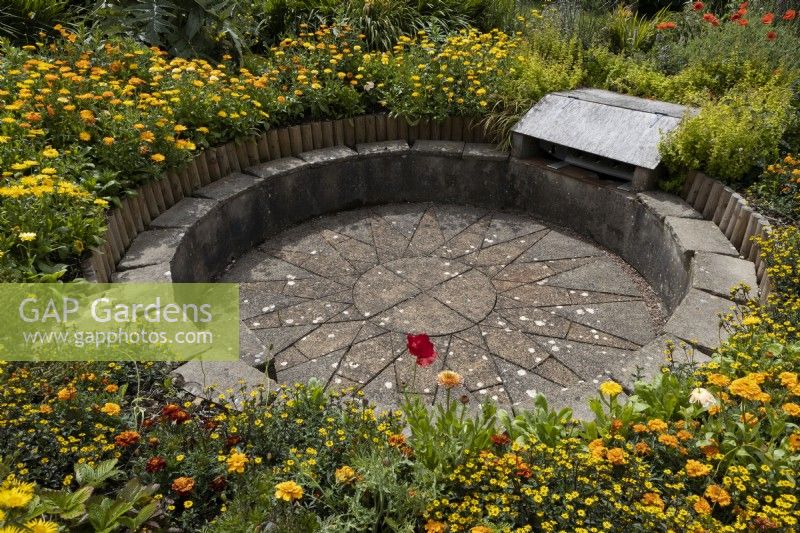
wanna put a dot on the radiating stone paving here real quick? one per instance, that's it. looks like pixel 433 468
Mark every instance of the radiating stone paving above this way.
pixel 516 307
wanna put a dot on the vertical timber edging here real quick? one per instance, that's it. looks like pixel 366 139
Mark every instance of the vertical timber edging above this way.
pixel 734 217
pixel 124 223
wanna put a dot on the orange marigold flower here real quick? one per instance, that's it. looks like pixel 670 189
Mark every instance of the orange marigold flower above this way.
pixel 641 448
pixel 449 379
pixel 668 440
pixel 719 380
pixel 661 26
pixel 288 491
pixel 616 456
pixel 718 495
pixel 657 424
pixel 791 409
pixel 183 485
pixel 127 438
pixel 701 506
pixel 396 440
pixel 697 469
pixel 67 393
pixel 794 441
pixel 652 499
pixel 432 526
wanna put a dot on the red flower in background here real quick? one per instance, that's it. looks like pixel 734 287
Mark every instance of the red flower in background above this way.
pixel 666 26
pixel 421 347
pixel 771 35
pixel 711 19
pixel 743 22
pixel 790 14
pixel 767 18
pixel 697 6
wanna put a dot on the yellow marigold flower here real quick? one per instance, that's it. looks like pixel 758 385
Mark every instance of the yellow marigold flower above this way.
pixel 288 491
pixel 794 441
pixel 40 525
pixel 345 474
pixel 67 393
pixel 701 506
pixel 15 497
pixel 449 379
pixel 696 468
pixel 50 152
pixel 45 409
pixel 111 409
pixel 108 141
pixel 158 158
pixel 668 440
pixel 718 495
pixel 747 388
pixel 179 128
pixel 236 462
pixel 85 136
pixel 791 409
pixel 147 136
pixel 610 388
pixel 481 529
pixel 100 202
pixel 718 379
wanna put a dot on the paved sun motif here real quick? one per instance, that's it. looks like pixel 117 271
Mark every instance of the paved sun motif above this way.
pixel 516 307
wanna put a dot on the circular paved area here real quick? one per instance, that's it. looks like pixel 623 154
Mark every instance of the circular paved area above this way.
pixel 516 307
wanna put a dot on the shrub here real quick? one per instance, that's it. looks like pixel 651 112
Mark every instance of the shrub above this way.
pixel 727 138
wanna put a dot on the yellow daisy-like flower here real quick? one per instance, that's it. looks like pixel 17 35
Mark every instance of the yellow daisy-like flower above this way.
pixel 14 497
pixel 27 236
pixel 108 141
pixel 158 158
pixel 611 388
pixel 85 136
pixel 288 491
pixel 41 526
pixel 50 152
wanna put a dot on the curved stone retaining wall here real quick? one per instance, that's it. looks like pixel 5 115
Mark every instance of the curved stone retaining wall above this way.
pixel 687 260
pixel 189 226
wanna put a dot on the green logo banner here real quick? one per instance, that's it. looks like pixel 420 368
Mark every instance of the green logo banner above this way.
pixel 119 322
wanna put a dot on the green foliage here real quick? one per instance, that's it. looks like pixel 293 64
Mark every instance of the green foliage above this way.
pixel 85 508
pixel 439 439
pixel 188 28
pixel 631 32
pixel 729 137
pixel 22 20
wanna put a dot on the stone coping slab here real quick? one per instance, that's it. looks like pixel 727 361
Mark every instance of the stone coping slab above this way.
pixel 660 237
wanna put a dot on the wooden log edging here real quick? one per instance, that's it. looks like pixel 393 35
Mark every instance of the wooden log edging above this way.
pixel 735 218
pixel 157 196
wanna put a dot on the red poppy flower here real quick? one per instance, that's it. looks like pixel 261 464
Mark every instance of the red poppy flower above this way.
pixel 771 35
pixel 767 18
pixel 697 6
pixel 790 14
pixel 742 22
pixel 421 347
pixel 711 19
pixel 666 26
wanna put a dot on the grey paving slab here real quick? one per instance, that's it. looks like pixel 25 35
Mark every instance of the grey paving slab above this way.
pixel 151 248
pixel 717 273
pixel 515 307
pixel 691 320
pixel 700 236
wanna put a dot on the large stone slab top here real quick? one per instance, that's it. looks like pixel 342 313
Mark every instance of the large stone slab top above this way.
pixel 614 126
